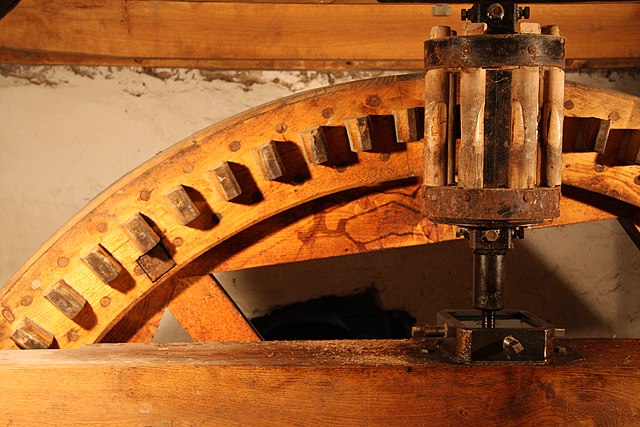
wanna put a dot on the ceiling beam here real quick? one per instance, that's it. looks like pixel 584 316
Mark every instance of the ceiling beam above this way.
pixel 302 35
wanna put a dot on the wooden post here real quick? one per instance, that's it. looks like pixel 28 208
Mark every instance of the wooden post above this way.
pixel 552 120
pixel 436 94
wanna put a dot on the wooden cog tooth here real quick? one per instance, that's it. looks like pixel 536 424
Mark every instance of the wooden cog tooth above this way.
pixel 327 145
pixel 140 233
pixel 602 136
pixel 223 178
pixel 269 161
pixel 156 262
pixel 408 124
pixel 629 150
pixel 28 335
pixel 103 264
pixel 66 299
pixel 359 133
pixel 314 144
pixel 182 205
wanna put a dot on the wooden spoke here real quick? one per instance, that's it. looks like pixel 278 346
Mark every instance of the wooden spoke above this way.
pixel 206 312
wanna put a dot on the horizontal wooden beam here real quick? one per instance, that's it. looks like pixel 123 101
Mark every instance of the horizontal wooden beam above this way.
pixel 319 383
pixel 303 35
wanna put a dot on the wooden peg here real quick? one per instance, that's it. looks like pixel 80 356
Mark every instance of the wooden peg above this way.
pixel 407 124
pixel 436 94
pixel 435 150
pixel 224 180
pixel 523 162
pixel 103 264
pixel 182 205
pixel 602 136
pixel 553 119
pixel 315 147
pixel 269 161
pixel 140 233
pixel 29 335
pixel 66 299
pixel 359 133
pixel 472 100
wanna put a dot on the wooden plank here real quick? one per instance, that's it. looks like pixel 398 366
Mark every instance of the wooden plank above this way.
pixel 314 383
pixel 277 35
pixel 208 314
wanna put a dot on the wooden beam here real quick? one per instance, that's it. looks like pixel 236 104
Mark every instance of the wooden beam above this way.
pixel 208 314
pixel 278 35
pixel 319 383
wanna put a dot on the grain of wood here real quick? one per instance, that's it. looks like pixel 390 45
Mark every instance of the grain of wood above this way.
pixel 524 155
pixel 319 383
pixel 275 35
pixel 436 83
pixel 66 299
pixel 140 233
pixel 471 154
pixel 208 314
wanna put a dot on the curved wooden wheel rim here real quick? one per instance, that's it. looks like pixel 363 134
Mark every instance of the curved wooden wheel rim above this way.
pixel 188 163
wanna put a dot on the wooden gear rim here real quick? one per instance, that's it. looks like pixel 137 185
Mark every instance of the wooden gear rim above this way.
pixel 187 166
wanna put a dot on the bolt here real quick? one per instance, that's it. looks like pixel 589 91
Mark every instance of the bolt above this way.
pixel 568 104
pixel 614 116
pixel 63 262
pixel 518 233
pixel 373 101
pixel 491 235
pixel 327 113
pixel 527 197
pixel 462 232
pixel 234 145
pixel 524 13
pixel 466 49
pixel 636 180
pixel 598 168
pixel 428 332
pixel 466 197
pixel 496 12
pixel 532 49
pixel 281 128
pixel 510 343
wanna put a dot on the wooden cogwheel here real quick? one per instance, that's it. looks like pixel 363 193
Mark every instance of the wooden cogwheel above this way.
pixel 238 195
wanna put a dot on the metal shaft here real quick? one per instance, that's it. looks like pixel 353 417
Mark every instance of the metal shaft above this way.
pixel 488 284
